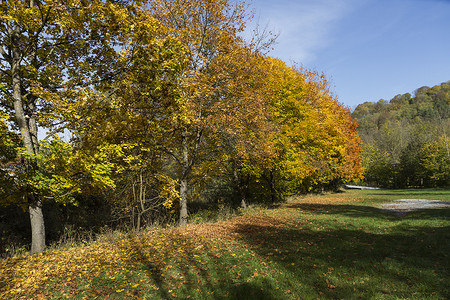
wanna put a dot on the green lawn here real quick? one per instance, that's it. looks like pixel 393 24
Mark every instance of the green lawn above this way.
pixel 331 246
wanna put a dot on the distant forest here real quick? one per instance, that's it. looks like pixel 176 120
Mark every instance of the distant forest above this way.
pixel 405 140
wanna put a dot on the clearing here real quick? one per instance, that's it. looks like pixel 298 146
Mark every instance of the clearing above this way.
pixel 334 246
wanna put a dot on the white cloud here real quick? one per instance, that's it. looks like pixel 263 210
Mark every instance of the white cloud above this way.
pixel 304 26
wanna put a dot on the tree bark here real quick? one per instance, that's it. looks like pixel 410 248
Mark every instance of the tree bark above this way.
pixel 183 201
pixel 37 227
pixel 35 204
pixel 184 180
pixel 273 188
pixel 241 187
pixel 243 201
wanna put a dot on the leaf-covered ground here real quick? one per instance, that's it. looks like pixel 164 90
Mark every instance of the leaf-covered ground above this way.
pixel 333 246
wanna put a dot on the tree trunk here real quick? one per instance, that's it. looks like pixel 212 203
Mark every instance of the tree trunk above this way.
pixel 241 187
pixel 138 225
pixel 32 125
pixel 35 204
pixel 273 190
pixel 37 227
pixel 183 202
pixel 243 201
pixel 184 180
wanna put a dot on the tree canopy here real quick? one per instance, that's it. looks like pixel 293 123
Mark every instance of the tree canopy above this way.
pixel 152 105
pixel 406 139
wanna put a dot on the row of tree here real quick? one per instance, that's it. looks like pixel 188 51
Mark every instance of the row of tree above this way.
pixel 153 104
pixel 406 141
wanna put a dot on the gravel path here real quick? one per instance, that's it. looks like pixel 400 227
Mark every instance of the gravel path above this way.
pixel 403 206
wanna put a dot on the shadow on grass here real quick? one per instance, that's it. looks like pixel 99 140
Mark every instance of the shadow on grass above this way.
pixel 411 193
pixel 318 251
pixel 339 262
pixel 409 260
pixel 185 270
pixel 360 211
pixel 344 260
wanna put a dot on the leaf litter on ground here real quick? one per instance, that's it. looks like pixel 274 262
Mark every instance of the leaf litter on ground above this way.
pixel 268 249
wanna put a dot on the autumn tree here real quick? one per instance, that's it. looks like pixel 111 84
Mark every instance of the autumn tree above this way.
pixel 210 30
pixel 242 118
pixel 137 112
pixel 55 51
pixel 318 143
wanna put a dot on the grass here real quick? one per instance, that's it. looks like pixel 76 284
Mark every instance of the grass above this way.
pixel 331 246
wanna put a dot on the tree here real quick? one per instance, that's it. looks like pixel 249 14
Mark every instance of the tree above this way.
pixel 209 29
pixel 379 166
pixel 405 126
pixel 317 141
pixel 435 163
pixel 243 118
pixel 53 48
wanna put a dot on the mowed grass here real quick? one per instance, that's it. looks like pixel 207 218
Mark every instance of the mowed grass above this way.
pixel 331 246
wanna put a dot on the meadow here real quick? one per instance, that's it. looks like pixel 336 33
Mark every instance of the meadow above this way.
pixel 331 246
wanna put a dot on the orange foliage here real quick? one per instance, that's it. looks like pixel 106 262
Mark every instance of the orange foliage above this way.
pixel 318 142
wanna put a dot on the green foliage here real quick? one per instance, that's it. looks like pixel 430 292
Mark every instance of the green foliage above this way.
pixel 379 167
pixel 398 133
pixel 435 162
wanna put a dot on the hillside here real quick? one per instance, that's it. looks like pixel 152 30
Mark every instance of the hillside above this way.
pixel 405 139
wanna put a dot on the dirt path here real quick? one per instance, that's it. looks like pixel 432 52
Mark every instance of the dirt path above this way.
pixel 407 205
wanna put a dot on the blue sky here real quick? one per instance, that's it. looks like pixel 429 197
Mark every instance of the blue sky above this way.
pixel 369 49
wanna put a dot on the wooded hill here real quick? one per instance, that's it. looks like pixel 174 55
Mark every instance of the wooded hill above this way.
pixel 405 140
